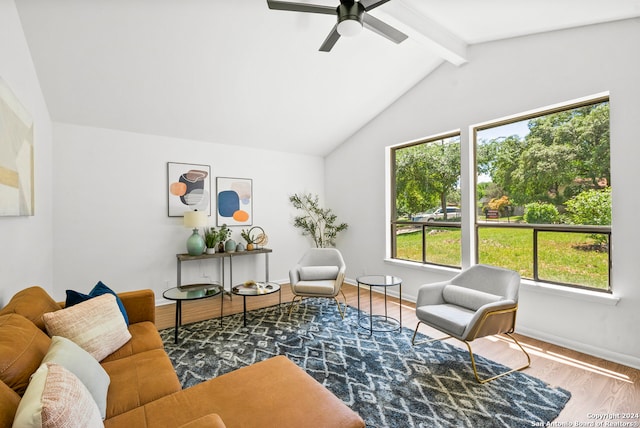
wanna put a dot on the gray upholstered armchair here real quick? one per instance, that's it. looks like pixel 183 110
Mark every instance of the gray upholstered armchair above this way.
pixel 319 273
pixel 480 301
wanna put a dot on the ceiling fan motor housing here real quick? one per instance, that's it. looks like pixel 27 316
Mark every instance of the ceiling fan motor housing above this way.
pixel 349 17
pixel 352 17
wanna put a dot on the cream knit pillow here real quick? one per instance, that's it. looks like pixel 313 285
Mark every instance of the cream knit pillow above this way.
pixel 318 273
pixel 79 362
pixel 55 398
pixel 96 325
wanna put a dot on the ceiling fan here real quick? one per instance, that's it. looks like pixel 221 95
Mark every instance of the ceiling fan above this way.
pixel 352 16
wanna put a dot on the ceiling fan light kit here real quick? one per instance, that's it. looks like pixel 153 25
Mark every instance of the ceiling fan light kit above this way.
pixel 351 17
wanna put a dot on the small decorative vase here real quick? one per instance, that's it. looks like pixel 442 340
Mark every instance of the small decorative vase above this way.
pixel 240 246
pixel 221 247
pixel 230 246
pixel 250 246
pixel 211 250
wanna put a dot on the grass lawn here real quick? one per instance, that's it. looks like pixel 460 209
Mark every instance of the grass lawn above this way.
pixel 561 255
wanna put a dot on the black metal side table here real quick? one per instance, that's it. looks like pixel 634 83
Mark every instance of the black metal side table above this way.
pixel 383 323
pixel 190 292
pixel 254 290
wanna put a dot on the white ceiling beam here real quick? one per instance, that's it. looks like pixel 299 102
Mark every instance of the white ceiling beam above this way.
pixel 424 30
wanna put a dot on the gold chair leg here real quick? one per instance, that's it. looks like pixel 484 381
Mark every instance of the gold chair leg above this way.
pixel 293 302
pixel 475 371
pixel 342 312
pixel 413 339
pixel 473 361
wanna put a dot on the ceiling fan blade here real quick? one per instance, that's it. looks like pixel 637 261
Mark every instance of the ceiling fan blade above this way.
pixel 385 30
pixel 301 7
pixel 331 39
pixel 371 4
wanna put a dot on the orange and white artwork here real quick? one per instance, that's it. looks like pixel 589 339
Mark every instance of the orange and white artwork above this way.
pixel 189 188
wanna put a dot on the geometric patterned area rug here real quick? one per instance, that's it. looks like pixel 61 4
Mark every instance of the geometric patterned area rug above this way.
pixel 382 377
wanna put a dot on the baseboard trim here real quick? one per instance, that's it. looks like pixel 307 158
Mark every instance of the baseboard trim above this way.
pixel 163 302
pixel 616 357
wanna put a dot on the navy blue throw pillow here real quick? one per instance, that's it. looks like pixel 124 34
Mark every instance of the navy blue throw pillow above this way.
pixel 74 297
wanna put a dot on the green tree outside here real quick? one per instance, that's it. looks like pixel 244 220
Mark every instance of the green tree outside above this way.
pixel 427 175
pixel 563 154
pixel 556 172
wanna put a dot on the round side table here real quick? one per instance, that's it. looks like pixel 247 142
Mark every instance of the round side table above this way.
pixel 189 292
pixel 256 290
pixel 383 323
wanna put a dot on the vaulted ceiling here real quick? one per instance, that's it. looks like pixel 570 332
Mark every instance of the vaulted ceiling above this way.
pixel 236 72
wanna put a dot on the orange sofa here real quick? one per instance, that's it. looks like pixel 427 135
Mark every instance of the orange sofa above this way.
pixel 144 390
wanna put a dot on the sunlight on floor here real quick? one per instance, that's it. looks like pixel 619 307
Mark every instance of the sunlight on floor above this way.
pixel 553 356
pixel 563 359
pixel 407 307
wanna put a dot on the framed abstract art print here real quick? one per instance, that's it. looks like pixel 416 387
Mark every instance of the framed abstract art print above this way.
pixel 234 201
pixel 188 188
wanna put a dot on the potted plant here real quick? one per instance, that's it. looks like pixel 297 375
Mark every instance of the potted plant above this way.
pixel 223 235
pixel 246 235
pixel 213 238
pixel 317 222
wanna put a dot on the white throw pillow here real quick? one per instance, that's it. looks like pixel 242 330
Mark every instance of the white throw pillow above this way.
pixel 55 398
pixel 468 297
pixel 96 325
pixel 79 362
pixel 318 273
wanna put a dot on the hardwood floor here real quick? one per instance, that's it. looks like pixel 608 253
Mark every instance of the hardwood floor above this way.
pixel 597 386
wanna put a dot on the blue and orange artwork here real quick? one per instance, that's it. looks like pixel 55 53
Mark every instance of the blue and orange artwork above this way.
pixel 234 201
pixel 191 190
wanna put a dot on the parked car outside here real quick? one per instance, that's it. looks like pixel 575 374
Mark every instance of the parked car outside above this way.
pixel 438 214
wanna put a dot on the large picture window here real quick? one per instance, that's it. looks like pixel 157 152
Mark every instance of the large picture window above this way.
pixel 544 195
pixel 426 212
pixel 542 192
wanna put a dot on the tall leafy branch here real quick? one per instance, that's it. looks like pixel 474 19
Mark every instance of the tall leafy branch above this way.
pixel 317 222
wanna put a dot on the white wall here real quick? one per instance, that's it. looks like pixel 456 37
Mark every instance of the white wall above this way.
pixel 110 208
pixel 25 242
pixel 504 78
pixel 109 219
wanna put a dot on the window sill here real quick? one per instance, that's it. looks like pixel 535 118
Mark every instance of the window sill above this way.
pixel 422 266
pixel 569 292
pixel 526 284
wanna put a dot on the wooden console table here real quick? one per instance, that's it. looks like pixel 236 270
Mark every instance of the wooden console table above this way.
pixel 220 257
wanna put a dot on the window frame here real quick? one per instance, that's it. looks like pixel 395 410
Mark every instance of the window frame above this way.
pixel 469 225
pixel 394 223
pixel 570 105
